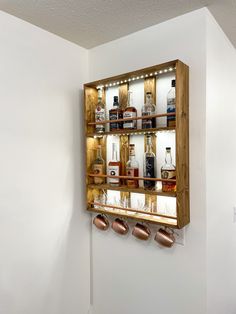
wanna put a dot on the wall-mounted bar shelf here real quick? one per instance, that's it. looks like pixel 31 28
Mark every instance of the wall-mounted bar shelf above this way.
pixel 166 207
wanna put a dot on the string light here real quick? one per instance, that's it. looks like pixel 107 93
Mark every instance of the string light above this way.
pixel 170 69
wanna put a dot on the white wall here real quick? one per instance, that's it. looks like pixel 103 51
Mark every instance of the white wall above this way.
pixel 44 237
pixel 221 170
pixel 132 277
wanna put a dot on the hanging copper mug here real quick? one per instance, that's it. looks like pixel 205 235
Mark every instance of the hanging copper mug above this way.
pixel 120 226
pixel 101 222
pixel 141 232
pixel 164 237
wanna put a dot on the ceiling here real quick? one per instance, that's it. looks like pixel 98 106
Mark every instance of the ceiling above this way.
pixel 91 23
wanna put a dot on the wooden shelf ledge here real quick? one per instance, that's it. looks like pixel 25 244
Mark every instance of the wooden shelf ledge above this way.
pixel 128 209
pixel 131 178
pixel 134 118
pixel 169 222
pixel 135 132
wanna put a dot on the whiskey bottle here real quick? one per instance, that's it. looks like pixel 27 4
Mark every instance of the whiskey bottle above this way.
pixel 114 167
pixel 100 113
pixel 149 167
pixel 132 168
pixel 168 172
pixel 116 113
pixel 99 166
pixel 171 104
pixel 130 112
pixel 147 110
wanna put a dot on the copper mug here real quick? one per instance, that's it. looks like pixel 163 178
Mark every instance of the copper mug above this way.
pixel 101 222
pixel 120 226
pixel 141 232
pixel 165 238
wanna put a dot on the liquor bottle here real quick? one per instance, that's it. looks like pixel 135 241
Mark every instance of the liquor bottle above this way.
pixel 168 172
pixel 100 113
pixel 114 167
pixel 132 168
pixel 148 109
pixel 99 166
pixel 116 113
pixel 130 112
pixel 149 167
pixel 171 104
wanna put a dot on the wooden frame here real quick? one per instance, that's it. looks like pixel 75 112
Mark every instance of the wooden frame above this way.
pixel 182 145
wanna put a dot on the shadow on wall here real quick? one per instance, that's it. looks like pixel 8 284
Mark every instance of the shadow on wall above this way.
pixel 72 265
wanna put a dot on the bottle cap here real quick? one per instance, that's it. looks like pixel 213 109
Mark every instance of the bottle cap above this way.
pixel 168 148
pixel 173 83
pixel 148 93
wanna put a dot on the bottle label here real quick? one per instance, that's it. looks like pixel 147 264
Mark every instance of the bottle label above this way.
pixel 98 169
pixel 99 117
pixel 171 109
pixel 113 171
pixel 168 186
pixel 168 174
pixel 132 172
pixel 150 172
pixel 130 124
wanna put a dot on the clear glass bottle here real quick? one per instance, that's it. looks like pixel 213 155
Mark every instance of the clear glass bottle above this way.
pixel 148 109
pixel 149 167
pixel 114 167
pixel 100 113
pixel 99 166
pixel 132 168
pixel 171 104
pixel 168 172
pixel 116 113
pixel 130 112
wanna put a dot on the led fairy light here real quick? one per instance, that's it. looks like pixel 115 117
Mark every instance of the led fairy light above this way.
pixel 170 69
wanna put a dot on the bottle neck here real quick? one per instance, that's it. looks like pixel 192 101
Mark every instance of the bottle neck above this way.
pixel 148 100
pixel 114 152
pixel 149 146
pixel 129 100
pixel 168 158
pixel 99 153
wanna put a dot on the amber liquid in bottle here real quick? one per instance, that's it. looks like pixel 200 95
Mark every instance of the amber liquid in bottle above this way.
pixel 99 166
pixel 132 168
pixel 114 167
pixel 168 172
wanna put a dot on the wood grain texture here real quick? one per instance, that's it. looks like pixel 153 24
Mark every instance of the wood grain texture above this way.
pixel 123 95
pixel 90 101
pixel 182 143
pixel 150 86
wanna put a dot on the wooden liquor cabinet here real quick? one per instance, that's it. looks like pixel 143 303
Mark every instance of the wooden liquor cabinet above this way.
pixel 155 206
